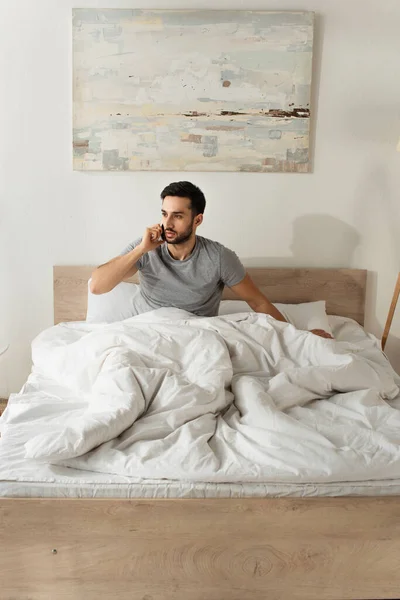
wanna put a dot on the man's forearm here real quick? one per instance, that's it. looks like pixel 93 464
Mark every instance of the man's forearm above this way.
pixel 268 309
pixel 107 276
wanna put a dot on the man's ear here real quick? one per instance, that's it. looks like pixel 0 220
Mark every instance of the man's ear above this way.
pixel 198 220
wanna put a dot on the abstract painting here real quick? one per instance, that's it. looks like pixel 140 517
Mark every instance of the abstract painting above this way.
pixel 191 90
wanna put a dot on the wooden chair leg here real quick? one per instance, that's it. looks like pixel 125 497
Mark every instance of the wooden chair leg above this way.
pixel 391 312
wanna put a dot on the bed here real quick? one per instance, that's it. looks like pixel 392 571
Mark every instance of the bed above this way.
pixel 172 540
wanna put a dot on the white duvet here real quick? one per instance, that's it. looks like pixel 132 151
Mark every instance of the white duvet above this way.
pixel 224 399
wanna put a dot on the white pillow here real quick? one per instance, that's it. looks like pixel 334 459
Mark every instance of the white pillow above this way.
pixel 117 305
pixel 307 316
pixel 231 307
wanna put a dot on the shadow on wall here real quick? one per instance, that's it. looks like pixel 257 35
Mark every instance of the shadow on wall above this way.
pixel 318 241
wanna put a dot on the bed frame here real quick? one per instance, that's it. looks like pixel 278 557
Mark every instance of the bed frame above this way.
pixel 213 549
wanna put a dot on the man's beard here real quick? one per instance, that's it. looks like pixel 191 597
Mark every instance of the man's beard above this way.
pixel 182 238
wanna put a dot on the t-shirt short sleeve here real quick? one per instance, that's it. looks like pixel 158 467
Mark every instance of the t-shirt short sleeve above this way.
pixel 142 260
pixel 232 270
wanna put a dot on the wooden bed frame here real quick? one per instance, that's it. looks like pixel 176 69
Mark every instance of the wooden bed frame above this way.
pixel 213 549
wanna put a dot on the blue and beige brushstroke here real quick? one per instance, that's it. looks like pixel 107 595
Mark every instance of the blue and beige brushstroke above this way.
pixel 197 90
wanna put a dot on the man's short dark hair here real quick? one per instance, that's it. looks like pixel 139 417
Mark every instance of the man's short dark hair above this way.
pixel 185 189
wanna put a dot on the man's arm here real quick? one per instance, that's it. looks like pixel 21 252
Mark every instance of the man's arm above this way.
pixel 107 276
pixel 248 291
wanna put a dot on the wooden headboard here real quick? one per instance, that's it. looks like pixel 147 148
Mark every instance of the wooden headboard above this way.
pixel 343 289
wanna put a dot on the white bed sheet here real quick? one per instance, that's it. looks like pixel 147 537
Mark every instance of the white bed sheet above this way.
pixel 20 477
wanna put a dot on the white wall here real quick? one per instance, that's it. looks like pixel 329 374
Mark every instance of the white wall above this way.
pixel 345 213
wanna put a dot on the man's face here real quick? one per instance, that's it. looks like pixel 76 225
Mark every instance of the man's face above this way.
pixel 178 220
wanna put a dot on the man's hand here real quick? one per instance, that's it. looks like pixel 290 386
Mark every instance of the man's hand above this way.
pixel 151 238
pixel 322 333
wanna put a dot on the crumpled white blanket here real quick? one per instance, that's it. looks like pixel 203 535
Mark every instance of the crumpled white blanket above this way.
pixel 235 398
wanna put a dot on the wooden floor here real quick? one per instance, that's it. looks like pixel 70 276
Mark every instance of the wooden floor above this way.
pixel 3 404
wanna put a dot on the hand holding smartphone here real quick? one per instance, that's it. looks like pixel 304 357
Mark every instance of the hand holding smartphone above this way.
pixel 153 237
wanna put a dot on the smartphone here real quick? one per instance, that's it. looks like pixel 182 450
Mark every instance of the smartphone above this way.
pixel 164 239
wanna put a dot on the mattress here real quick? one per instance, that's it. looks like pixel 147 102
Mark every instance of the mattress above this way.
pixel 20 477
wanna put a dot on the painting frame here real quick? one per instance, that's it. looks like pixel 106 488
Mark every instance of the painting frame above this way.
pixel 247 109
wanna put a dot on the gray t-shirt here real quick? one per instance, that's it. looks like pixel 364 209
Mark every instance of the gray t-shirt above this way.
pixel 194 284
